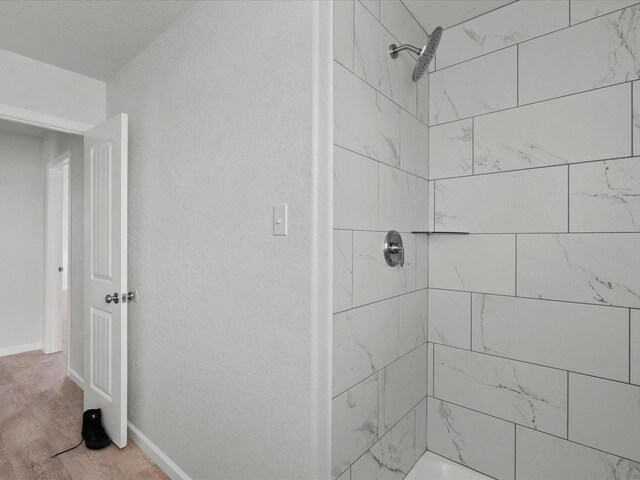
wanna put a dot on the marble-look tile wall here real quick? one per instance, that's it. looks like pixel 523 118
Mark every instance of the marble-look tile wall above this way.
pixel 533 321
pixel 380 183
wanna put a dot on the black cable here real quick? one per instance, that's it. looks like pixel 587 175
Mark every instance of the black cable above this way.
pixel 68 449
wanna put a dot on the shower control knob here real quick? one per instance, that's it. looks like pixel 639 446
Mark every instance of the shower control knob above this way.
pixel 112 298
pixel 393 249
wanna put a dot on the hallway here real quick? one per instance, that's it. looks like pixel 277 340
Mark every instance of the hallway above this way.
pixel 41 414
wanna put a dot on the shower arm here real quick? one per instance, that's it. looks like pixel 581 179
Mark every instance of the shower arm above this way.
pixel 394 49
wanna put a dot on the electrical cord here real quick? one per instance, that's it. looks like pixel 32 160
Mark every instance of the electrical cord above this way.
pixel 68 449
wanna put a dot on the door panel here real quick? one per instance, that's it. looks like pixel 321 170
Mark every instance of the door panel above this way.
pixel 105 324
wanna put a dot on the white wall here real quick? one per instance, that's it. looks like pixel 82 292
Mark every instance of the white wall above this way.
pixel 228 368
pixel 21 241
pixel 36 86
pixel 54 145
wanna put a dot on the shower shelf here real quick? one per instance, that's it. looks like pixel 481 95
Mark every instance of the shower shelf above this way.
pixel 431 232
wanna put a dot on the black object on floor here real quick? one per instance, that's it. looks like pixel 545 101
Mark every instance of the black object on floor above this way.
pixel 93 433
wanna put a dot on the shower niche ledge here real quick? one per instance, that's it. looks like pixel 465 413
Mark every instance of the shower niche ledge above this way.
pixel 436 232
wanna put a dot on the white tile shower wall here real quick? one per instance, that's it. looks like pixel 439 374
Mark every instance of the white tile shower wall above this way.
pixel 402 385
pixel 365 340
pixel 582 10
pixel 412 329
pixel 635 346
pixel 403 200
pixel 578 128
pixel 604 196
pixel 397 451
pixel 342 270
pixel 554 339
pixel 635 113
pixel 511 24
pixel 450 318
pixel 596 53
pixel 545 456
pixel 397 19
pixel 471 438
pixel 595 423
pixel 355 191
pixel 523 393
pixel 365 121
pixel 473 263
pixel 476 204
pixel 380 183
pixel 589 268
pixel 343 33
pixel 555 334
pixel 451 149
pixel 373 64
pixel 354 424
pixel 482 85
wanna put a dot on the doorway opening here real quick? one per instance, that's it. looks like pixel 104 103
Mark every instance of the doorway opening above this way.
pixel 57 255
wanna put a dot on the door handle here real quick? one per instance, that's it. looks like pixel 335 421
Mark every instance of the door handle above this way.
pixel 130 296
pixel 113 298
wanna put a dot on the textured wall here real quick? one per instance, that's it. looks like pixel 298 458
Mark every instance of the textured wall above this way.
pixel 533 318
pixel 380 183
pixel 21 240
pixel 221 366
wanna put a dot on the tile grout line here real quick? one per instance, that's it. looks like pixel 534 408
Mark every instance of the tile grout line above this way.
pixel 518 74
pixel 515 450
pixel 568 198
pixel 333 397
pixel 527 362
pixel 382 162
pixel 552 32
pixel 533 298
pixel 515 292
pixel 537 102
pixel 567 405
pixel 395 104
pixel 532 429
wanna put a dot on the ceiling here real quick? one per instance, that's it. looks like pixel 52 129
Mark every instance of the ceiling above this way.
pixel 447 13
pixel 95 38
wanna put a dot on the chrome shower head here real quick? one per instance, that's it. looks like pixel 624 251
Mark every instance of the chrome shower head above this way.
pixel 425 54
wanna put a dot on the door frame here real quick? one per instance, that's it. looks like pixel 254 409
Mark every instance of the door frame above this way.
pixel 54 184
pixel 53 123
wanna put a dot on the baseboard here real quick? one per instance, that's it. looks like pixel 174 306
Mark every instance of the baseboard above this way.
pixel 156 455
pixel 27 347
pixel 77 379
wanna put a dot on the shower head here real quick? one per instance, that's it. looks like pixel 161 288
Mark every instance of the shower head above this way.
pixel 425 54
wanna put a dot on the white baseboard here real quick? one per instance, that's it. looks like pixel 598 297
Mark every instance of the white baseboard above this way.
pixel 147 446
pixel 156 455
pixel 27 347
pixel 77 379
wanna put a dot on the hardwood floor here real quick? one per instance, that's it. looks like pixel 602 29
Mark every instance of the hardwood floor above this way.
pixel 41 414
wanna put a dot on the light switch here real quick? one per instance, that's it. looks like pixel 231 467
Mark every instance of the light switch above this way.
pixel 280 219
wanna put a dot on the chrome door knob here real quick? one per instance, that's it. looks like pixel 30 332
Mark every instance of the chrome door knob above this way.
pixel 113 298
pixel 128 297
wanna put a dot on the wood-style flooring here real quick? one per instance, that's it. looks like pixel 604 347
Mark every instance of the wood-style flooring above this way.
pixel 41 414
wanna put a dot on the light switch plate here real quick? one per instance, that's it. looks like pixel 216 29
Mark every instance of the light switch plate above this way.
pixel 280 219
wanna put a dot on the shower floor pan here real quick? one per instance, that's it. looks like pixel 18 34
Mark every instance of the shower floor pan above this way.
pixel 434 467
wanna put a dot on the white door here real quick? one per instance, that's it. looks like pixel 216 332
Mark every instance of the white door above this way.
pixel 105 274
